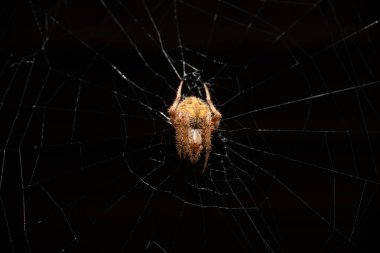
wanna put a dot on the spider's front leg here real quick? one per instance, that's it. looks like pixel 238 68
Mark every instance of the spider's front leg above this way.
pixel 173 107
pixel 216 116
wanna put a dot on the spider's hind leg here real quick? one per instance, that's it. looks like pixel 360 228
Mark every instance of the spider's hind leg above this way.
pixel 207 154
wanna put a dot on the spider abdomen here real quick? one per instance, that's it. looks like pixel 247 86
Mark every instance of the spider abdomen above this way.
pixel 194 107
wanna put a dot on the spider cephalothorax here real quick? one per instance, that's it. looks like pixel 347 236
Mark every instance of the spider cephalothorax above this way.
pixel 194 121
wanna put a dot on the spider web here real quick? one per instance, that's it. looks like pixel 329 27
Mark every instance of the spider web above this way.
pixel 88 158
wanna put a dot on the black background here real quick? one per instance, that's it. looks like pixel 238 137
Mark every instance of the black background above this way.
pixel 88 157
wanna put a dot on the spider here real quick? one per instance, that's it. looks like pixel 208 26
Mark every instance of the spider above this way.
pixel 194 121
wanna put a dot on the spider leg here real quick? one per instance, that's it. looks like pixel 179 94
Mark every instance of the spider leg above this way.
pixel 216 114
pixel 207 145
pixel 173 107
pixel 206 160
pixel 180 150
pixel 182 137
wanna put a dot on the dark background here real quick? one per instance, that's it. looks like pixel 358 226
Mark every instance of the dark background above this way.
pixel 88 158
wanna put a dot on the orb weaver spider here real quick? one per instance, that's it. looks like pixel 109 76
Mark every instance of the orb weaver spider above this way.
pixel 194 121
